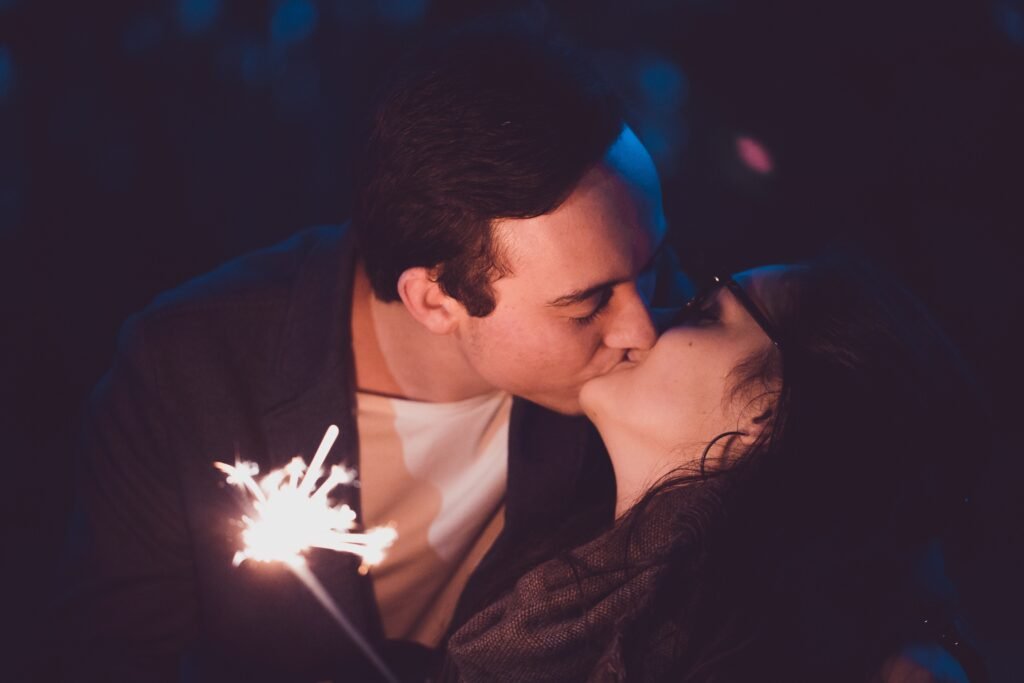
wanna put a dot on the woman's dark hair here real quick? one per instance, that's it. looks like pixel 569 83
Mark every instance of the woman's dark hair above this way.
pixel 479 126
pixel 812 569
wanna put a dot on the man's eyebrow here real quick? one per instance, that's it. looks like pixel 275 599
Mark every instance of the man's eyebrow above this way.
pixel 580 295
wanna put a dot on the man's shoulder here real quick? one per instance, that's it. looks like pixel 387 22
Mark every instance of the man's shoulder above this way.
pixel 242 316
pixel 263 278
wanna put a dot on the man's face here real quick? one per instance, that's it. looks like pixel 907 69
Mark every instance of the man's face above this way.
pixel 581 278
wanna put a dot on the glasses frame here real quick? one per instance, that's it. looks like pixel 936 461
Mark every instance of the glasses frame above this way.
pixel 748 303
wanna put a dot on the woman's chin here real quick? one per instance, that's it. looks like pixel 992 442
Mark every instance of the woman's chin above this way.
pixel 591 397
pixel 598 393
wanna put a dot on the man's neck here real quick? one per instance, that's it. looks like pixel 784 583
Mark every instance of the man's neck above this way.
pixel 396 356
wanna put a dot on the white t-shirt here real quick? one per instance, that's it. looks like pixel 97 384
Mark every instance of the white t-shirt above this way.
pixel 437 471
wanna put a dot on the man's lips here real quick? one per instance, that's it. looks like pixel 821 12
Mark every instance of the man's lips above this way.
pixel 623 364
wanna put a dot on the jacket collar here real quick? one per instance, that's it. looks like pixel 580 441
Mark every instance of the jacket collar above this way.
pixel 554 468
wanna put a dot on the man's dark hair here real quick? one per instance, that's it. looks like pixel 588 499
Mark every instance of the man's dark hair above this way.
pixel 474 128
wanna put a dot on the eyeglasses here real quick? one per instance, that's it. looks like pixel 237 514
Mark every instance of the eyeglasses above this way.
pixel 694 306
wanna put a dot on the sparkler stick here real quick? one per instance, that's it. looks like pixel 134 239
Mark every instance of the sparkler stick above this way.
pixel 320 593
pixel 290 518
pixel 313 473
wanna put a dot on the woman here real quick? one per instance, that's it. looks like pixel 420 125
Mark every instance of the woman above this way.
pixel 791 459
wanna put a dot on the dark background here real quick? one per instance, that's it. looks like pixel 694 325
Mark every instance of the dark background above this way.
pixel 143 142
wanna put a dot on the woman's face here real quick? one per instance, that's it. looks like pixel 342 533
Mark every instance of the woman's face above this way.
pixel 672 400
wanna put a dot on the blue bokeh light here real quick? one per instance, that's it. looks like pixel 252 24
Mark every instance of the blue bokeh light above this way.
pixel 198 16
pixel 1010 17
pixel 401 11
pixel 293 21
pixel 6 72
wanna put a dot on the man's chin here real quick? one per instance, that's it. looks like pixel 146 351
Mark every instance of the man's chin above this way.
pixel 566 405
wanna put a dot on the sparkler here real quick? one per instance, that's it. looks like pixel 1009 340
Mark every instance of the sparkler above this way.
pixel 292 515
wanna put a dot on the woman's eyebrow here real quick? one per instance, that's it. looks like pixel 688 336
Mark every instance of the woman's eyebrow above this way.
pixel 580 295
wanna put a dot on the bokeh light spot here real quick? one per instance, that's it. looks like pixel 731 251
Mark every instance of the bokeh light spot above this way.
pixel 1010 18
pixel 401 11
pixel 6 72
pixel 293 21
pixel 197 16
pixel 754 155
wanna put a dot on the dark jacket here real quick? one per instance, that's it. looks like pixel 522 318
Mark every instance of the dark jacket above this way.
pixel 567 620
pixel 616 609
pixel 254 360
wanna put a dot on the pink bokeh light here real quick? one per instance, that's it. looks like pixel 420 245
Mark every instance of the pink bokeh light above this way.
pixel 754 155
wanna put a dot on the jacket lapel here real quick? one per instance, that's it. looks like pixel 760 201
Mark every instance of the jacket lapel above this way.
pixel 558 473
pixel 316 379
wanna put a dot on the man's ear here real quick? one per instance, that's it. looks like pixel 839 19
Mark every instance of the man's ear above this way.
pixel 427 302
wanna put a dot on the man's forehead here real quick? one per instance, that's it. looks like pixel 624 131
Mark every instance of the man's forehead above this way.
pixel 561 273
pixel 610 223
pixel 554 255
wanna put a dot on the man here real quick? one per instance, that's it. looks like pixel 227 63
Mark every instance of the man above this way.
pixel 505 239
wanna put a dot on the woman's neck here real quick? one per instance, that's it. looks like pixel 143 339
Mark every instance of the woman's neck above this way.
pixel 639 463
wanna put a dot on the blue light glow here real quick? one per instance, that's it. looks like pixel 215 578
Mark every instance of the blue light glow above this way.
pixel 663 82
pixel 401 11
pixel 293 21
pixel 197 16
pixel 655 140
pixel 1010 17
pixel 6 72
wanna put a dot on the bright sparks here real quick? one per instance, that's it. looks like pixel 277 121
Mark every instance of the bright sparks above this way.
pixel 292 514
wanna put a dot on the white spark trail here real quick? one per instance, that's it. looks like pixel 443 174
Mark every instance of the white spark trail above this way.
pixel 323 597
pixel 290 518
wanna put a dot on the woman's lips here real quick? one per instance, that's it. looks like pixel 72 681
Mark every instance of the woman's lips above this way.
pixel 623 365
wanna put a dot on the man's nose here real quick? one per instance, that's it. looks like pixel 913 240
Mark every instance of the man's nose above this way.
pixel 632 327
